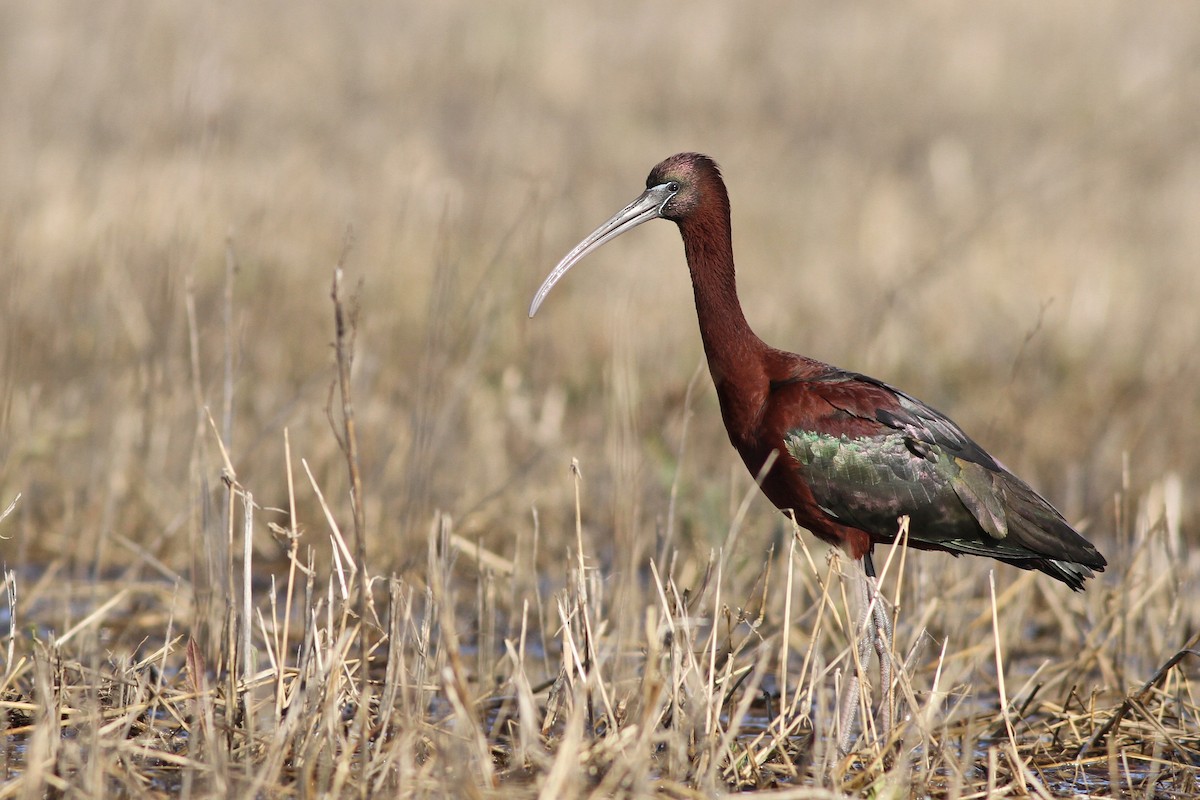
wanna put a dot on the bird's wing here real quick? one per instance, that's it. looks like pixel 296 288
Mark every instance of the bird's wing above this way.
pixel 870 453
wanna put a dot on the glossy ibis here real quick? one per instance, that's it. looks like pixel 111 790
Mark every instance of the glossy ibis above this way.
pixel 852 454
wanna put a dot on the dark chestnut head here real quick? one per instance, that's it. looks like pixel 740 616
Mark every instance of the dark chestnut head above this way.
pixel 675 189
pixel 693 176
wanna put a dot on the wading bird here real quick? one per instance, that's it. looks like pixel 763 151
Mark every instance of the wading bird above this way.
pixel 846 454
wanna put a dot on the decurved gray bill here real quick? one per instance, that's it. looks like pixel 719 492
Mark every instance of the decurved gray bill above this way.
pixel 645 208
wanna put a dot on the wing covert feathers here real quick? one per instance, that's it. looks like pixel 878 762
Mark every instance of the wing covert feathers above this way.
pixel 878 454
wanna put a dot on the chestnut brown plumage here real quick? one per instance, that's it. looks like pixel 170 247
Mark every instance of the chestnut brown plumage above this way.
pixel 853 454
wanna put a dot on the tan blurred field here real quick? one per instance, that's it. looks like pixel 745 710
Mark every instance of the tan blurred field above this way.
pixel 995 207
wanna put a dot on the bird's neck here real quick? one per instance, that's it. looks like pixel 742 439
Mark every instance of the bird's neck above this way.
pixel 736 356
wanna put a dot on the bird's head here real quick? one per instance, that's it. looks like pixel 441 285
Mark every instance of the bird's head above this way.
pixel 675 190
pixel 688 177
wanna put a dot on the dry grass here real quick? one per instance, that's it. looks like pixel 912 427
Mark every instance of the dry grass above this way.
pixel 994 208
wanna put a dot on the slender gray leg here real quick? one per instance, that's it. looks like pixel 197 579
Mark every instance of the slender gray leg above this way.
pixel 853 686
pixel 875 632
pixel 881 637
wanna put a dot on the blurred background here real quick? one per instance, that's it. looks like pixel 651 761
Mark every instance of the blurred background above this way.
pixel 994 207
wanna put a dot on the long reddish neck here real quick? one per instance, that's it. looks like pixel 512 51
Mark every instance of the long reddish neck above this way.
pixel 735 354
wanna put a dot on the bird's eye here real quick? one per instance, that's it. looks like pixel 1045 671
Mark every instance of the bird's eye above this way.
pixel 673 186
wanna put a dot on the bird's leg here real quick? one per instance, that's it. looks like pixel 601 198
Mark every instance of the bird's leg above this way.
pixel 853 688
pixel 881 638
pixel 874 632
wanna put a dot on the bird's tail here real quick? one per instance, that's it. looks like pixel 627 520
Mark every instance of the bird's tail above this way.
pixel 1054 547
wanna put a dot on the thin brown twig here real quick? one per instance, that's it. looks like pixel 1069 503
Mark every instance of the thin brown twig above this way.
pixel 345 332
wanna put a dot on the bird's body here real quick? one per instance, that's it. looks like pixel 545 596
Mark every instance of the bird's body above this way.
pixel 852 455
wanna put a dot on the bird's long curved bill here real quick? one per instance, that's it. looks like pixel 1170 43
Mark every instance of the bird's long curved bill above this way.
pixel 645 208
